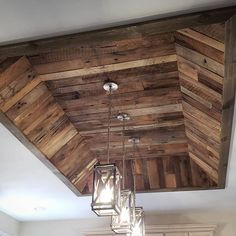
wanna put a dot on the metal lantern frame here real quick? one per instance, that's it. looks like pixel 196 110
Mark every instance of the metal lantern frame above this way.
pixel 139 228
pixel 106 176
pixel 124 222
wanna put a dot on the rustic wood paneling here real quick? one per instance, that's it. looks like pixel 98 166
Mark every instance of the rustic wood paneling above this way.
pixel 201 74
pixel 176 81
pixel 41 120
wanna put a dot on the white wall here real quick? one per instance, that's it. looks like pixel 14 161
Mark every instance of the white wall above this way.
pixel 226 224
pixel 8 225
pixel 61 227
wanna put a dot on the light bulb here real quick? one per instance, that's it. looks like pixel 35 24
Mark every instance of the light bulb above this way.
pixel 106 195
pixel 136 230
pixel 124 215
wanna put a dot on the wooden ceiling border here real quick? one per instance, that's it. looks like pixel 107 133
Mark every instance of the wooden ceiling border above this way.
pixel 229 89
pixel 127 31
pixel 32 148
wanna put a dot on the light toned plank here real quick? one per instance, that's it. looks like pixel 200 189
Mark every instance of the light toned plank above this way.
pixel 108 68
pixel 18 96
pixel 203 39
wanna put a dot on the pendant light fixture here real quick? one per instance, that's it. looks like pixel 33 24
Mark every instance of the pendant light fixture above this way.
pixel 106 177
pixel 138 228
pixel 124 222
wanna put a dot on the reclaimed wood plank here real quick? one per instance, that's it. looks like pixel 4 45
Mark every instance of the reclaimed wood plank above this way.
pixel 108 68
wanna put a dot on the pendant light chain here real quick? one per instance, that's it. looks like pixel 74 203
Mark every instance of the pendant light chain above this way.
pixel 124 152
pixel 109 125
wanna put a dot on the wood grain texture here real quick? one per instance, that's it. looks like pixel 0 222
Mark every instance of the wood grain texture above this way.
pixel 176 81
pixel 201 74
pixel 32 113
pixel 228 98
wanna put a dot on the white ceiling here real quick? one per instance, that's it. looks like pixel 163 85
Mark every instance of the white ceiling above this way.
pixel 30 19
pixel 28 190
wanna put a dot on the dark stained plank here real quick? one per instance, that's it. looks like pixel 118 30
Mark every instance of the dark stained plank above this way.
pixel 145 74
pixel 160 168
pixel 145 175
pixel 215 31
pixel 104 53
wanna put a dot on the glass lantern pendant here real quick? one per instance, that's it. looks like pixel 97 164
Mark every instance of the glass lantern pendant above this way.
pixel 106 177
pixel 124 222
pixel 106 190
pixel 138 229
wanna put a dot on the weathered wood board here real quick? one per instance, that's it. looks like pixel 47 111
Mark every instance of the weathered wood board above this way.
pixel 176 80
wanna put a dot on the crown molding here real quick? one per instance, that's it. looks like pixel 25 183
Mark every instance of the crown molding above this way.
pixel 154 229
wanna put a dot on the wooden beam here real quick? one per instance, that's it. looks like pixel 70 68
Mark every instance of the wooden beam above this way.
pixel 229 88
pixel 128 31
pixel 23 139
pixel 108 68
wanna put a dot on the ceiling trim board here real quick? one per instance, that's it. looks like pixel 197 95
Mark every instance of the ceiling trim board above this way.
pixel 229 89
pixel 145 28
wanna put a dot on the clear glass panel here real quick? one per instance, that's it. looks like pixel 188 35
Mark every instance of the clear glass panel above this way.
pixel 124 222
pixel 106 190
pixel 138 229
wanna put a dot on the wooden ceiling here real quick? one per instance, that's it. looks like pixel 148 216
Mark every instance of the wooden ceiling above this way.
pixel 176 80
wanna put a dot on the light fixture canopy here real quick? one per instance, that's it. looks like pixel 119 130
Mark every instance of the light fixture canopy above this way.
pixel 139 228
pixel 110 86
pixel 106 190
pixel 124 222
